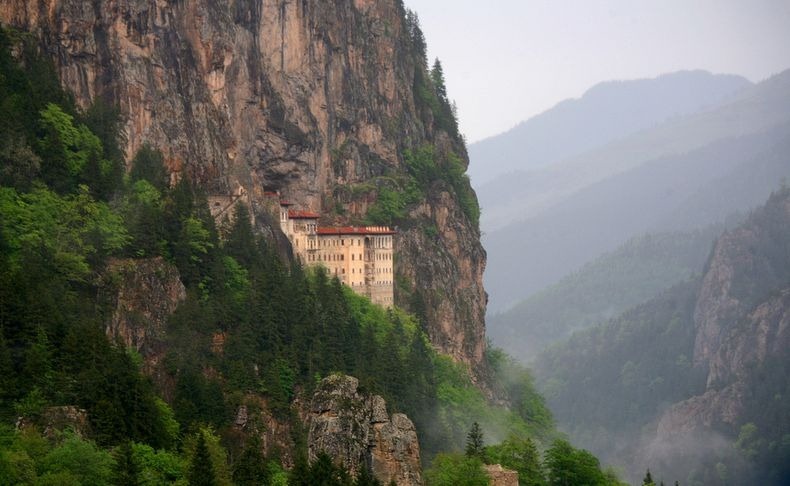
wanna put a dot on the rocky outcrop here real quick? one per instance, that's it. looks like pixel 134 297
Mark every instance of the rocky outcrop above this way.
pixel 54 420
pixel 254 418
pixel 311 98
pixel 142 294
pixel 742 321
pixel 356 431
pixel 747 264
pixel 764 333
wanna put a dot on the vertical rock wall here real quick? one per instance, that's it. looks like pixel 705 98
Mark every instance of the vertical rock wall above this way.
pixel 357 432
pixel 312 98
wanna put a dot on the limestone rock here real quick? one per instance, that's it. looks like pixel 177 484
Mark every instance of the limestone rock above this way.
pixel 57 419
pixel 355 430
pixel 742 320
pixel 143 293
pixel 313 99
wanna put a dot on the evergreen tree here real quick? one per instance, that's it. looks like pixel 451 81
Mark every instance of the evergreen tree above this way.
pixel 522 456
pixel 126 471
pixel 648 479
pixel 149 165
pixel 475 447
pixel 323 472
pixel 201 470
pixel 250 468
pixel 365 478
pixel 437 76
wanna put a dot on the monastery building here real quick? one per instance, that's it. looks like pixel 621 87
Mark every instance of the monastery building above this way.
pixel 361 257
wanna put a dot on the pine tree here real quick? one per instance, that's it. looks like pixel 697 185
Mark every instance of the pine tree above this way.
pixel 437 76
pixel 475 447
pixel 148 164
pixel 648 480
pixel 126 471
pixel 251 466
pixel 365 478
pixel 201 471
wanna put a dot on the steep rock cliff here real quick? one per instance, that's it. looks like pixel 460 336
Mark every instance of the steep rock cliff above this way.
pixel 318 100
pixel 742 321
pixel 356 430
pixel 141 294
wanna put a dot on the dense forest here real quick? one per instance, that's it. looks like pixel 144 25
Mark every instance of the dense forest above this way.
pixel 69 210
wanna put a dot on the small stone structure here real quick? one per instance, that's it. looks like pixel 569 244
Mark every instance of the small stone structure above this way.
pixel 223 206
pixel 500 476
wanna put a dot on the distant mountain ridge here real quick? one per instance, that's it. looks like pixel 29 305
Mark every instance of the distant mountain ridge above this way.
pixel 606 112
pixel 669 177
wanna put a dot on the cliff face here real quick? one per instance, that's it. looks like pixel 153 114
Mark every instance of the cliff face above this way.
pixel 310 98
pixel 142 294
pixel 355 430
pixel 742 321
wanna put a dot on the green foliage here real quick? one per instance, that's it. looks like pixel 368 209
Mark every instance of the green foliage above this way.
pixel 475 446
pixel 648 479
pixel 391 205
pixel 72 154
pixel 634 273
pixel 566 466
pixel 201 471
pixel 126 471
pixel 72 231
pixel 207 459
pixel 322 472
pixel 520 455
pixel 149 165
pixel 425 168
pixel 456 470
pixel 609 380
pixel 251 467
pixel 520 387
pixel 159 467
pixel 78 459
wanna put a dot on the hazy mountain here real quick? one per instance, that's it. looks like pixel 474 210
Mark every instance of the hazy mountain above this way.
pixel 602 289
pixel 669 177
pixel 521 194
pixel 693 382
pixel 606 112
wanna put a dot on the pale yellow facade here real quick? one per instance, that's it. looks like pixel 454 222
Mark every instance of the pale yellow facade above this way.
pixel 360 257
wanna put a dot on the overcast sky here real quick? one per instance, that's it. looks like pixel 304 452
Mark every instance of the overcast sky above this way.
pixel 506 60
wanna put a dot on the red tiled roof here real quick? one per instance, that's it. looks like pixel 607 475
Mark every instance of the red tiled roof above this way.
pixel 294 214
pixel 355 230
pixel 283 202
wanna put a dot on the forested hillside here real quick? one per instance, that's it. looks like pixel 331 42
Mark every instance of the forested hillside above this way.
pixel 139 342
pixel 638 270
pixel 690 383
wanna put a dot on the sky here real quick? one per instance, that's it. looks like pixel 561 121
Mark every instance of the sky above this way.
pixel 507 60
